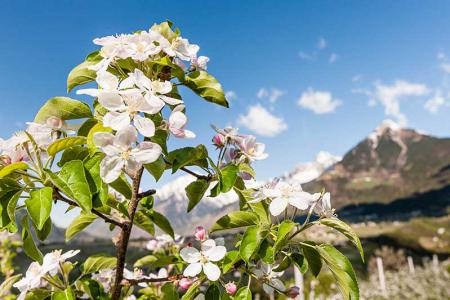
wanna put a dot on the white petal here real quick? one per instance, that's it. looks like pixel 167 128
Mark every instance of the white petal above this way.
pixel 177 120
pixel 211 271
pixel 301 200
pixel 102 139
pixel 170 100
pixel 216 253
pixel 189 134
pixel 208 244
pixel 125 137
pixel 190 255
pixel 277 206
pixel 155 104
pixel 268 289
pixel 132 166
pixel 116 120
pixel 111 100
pixel 278 284
pixel 193 270
pixel 111 168
pixel 145 126
pixel 146 152
pixel 90 92
pixel 107 80
pixel 161 87
pixel 142 81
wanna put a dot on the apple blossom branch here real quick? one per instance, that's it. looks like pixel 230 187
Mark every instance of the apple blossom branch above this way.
pixel 57 195
pixel 198 176
pixel 129 282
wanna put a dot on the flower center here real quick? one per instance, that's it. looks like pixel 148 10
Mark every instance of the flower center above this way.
pixel 126 155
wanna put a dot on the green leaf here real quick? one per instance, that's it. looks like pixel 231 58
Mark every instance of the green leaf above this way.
pixel 29 246
pixel 7 284
pixel 313 258
pixel 266 252
pixel 73 153
pixel 229 260
pixel 213 292
pixel 195 192
pixel 251 241
pixel 65 143
pixel 155 261
pixel 300 261
pixel 243 293
pixel 156 168
pixel 79 224
pixel 98 262
pixel 228 178
pixel 235 219
pixel 67 294
pixel 342 270
pixel 246 168
pixel 39 206
pixel 284 264
pixel 206 86
pixel 71 180
pixel 169 292
pixel 43 233
pixel 8 169
pixel 86 126
pixel 164 28
pixel 8 202
pixel 162 222
pixel 64 108
pixel 346 230
pixel 187 156
pixel 92 288
pixel 143 221
pixel 81 75
pixel 282 235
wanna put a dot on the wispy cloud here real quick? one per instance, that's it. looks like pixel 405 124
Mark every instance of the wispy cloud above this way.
pixel 357 78
pixel 321 43
pixel 262 122
pixel 231 95
pixel 435 103
pixel 333 58
pixel 389 96
pixel 272 94
pixel 444 63
pixel 306 56
pixel 320 102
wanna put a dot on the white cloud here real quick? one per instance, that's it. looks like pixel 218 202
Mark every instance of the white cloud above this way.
pixel 356 78
pixel 262 122
pixel 230 95
pixel 444 63
pixel 272 95
pixel 333 58
pixel 436 102
pixel 320 102
pixel 306 56
pixel 321 43
pixel 389 96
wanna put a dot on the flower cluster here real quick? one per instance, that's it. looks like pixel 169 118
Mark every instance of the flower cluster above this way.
pixel 281 194
pixel 39 275
pixel 211 251
pixel 164 242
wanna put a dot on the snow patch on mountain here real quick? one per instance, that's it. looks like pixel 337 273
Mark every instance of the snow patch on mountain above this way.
pixel 309 171
pixel 386 127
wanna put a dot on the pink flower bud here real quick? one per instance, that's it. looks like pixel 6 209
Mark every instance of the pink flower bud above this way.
pixel 293 292
pixel 185 283
pixel 231 288
pixel 218 140
pixel 55 122
pixel 200 233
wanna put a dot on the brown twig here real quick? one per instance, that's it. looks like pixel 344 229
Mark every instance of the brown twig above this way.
pixel 124 236
pixel 128 282
pixel 146 194
pixel 198 176
pixel 59 196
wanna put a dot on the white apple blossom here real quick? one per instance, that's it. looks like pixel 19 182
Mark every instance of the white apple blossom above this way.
pixel 154 91
pixel 109 92
pixel 282 194
pixel 164 241
pixel 52 261
pixel 105 277
pixel 200 62
pixel 121 155
pixel 177 123
pixel 251 149
pixel 142 45
pixel 121 117
pixel 323 206
pixel 203 260
pixel 32 280
pixel 230 134
pixel 269 277
pixel 180 48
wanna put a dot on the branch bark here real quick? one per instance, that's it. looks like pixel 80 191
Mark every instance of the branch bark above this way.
pixel 57 195
pixel 124 237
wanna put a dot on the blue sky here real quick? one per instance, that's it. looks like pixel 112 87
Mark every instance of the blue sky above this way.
pixel 340 54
